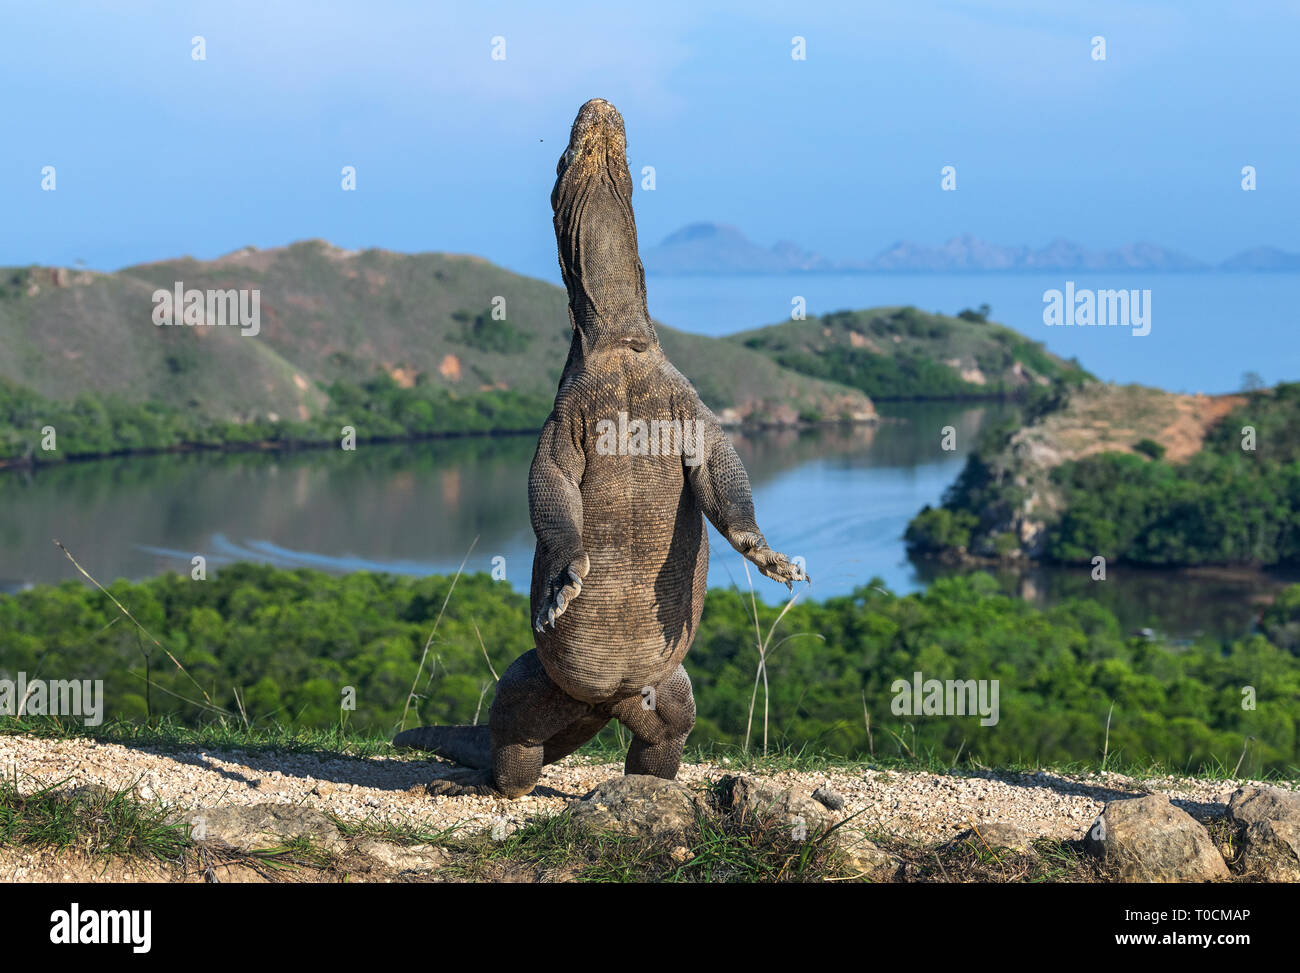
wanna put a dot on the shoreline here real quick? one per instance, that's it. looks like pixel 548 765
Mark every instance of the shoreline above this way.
pixel 291 446
pixel 274 445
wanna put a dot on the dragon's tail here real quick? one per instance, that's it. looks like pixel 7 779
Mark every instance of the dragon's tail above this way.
pixel 469 746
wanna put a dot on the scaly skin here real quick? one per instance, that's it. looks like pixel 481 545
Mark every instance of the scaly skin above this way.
pixel 619 573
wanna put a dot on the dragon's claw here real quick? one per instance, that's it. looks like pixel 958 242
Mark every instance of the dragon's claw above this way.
pixel 561 594
pixel 773 564
pixel 464 783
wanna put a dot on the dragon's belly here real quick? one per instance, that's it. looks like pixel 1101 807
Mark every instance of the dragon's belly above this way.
pixel 641 601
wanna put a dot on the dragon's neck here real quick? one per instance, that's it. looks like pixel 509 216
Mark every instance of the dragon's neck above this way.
pixel 602 270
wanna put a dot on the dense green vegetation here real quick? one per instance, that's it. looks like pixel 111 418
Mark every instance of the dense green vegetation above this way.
pixel 1228 504
pixel 901 376
pixel 291 642
pixel 485 333
pixel 905 353
pixel 377 409
pixel 384 409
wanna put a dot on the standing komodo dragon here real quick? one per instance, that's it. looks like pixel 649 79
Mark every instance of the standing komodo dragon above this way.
pixel 622 555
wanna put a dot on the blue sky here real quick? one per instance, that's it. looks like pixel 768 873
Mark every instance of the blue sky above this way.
pixel 158 155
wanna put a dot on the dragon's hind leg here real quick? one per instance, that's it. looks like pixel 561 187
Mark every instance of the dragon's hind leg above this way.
pixel 532 722
pixel 660 719
pixel 573 736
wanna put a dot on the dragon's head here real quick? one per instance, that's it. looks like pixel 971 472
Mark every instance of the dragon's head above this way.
pixel 597 149
pixel 596 231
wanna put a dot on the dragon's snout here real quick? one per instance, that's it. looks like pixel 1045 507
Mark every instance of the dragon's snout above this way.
pixel 599 110
pixel 597 131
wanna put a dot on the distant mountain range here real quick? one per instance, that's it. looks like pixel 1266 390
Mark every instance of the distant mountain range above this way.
pixel 713 248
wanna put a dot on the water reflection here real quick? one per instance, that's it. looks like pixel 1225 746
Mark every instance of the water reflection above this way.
pixel 840 497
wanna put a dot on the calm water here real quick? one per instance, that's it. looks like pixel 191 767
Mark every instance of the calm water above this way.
pixel 1206 331
pixel 840 498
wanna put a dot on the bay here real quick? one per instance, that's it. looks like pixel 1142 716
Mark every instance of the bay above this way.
pixel 839 497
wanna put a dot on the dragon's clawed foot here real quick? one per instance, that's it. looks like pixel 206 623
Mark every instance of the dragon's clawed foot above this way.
pixel 772 563
pixel 464 783
pixel 561 589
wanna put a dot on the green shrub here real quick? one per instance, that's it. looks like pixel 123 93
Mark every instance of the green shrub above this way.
pixel 1149 447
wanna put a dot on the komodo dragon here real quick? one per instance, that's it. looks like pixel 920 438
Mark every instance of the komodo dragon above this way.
pixel 622 556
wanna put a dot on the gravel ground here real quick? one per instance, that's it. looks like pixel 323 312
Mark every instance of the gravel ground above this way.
pixel 920 806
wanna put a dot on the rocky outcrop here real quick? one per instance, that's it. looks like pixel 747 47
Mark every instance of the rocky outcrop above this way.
pixel 767 804
pixel 1267 820
pixel 637 805
pixel 256 827
pixel 1021 497
pixel 997 836
pixel 248 829
pixel 664 810
pixel 809 813
pixel 1147 839
pixel 404 860
pixel 864 859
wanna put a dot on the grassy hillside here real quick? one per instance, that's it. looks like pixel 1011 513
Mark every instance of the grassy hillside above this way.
pixel 394 343
pixel 904 353
pixel 1132 474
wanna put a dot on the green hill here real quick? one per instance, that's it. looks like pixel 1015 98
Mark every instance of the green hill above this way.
pixel 1131 474
pixel 904 353
pixel 395 344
